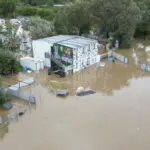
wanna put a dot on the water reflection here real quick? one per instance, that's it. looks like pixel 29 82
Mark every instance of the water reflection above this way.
pixel 3 127
pixel 3 131
pixel 105 80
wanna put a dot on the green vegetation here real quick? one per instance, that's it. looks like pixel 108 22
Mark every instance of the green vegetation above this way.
pixel 9 51
pixel 120 19
pixel 8 64
pixel 39 28
pixel 4 97
pixel 74 19
pixel 11 42
pixel 7 8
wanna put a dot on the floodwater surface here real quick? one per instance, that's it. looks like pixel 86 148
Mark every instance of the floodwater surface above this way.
pixel 117 117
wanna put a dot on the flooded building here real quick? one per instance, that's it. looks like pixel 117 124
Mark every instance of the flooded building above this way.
pixel 72 53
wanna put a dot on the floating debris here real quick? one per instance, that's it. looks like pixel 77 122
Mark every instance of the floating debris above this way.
pixel 1 120
pixel 140 46
pixel 7 105
pixel 121 58
pixel 147 49
pixel 62 92
pixel 23 83
pixel 145 67
pixel 81 91
pixel 101 64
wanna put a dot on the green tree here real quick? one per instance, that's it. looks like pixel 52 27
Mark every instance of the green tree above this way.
pixel 8 63
pixel 10 41
pixel 143 26
pixel 26 11
pixel 7 8
pixel 39 28
pixel 46 14
pixel 74 19
pixel 35 2
pixel 117 17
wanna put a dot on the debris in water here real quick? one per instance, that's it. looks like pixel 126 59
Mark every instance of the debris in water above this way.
pixel 140 46
pixel 62 92
pixel 25 82
pixel 121 58
pixel 83 92
pixel 7 105
pixel 21 113
pixel 145 67
pixel 110 60
pixel 1 120
pixel 29 71
pixel 147 49
pixel 101 64
pixel 148 59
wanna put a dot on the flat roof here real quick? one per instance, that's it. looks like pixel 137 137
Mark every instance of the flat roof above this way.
pixel 77 42
pixel 56 39
pixel 68 40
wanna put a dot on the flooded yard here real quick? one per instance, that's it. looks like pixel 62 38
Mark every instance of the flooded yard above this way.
pixel 117 117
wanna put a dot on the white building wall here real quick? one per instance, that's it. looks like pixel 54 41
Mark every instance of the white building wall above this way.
pixel 85 56
pixel 39 49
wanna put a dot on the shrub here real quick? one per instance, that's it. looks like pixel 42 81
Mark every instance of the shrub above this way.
pixel 26 11
pixel 4 97
pixel 8 64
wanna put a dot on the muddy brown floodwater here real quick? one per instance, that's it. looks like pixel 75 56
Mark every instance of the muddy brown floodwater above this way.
pixel 117 117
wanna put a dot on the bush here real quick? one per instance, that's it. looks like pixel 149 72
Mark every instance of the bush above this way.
pixel 3 97
pixel 46 14
pixel 8 64
pixel 26 11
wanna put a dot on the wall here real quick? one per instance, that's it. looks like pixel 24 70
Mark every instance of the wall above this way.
pixel 39 49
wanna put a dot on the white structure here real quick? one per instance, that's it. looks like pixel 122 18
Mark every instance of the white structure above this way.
pixel 2 21
pixel 15 21
pixel 83 51
pixel 58 5
pixel 32 63
pixel 43 46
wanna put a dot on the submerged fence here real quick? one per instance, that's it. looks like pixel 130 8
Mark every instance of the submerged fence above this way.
pixel 22 95
pixel 121 58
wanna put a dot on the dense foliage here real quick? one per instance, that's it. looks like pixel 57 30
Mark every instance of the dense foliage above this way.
pixel 11 41
pixel 122 19
pixel 74 19
pixel 117 19
pixel 39 28
pixel 4 97
pixel 9 51
pixel 8 64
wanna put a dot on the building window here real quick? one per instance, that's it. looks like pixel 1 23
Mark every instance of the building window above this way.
pixel 47 55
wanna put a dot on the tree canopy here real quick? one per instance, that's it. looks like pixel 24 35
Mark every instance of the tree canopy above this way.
pixel 7 8
pixel 39 28
pixel 116 18
pixel 74 19
pixel 122 19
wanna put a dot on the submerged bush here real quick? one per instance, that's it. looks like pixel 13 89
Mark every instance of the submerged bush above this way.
pixel 8 64
pixel 4 97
